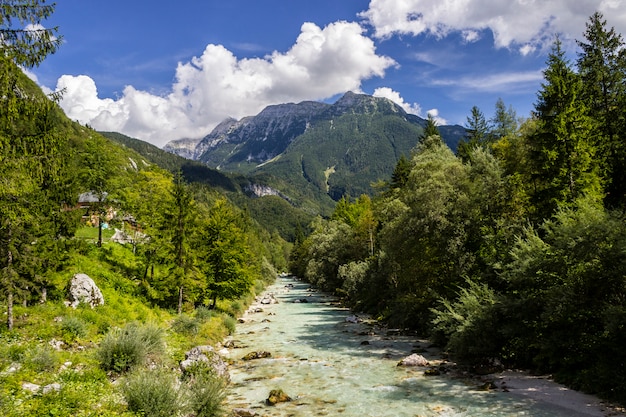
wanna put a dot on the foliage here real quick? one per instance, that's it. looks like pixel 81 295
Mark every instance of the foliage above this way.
pixel 153 393
pixel 466 326
pixel 130 346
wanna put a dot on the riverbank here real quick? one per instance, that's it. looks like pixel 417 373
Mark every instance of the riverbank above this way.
pixel 330 361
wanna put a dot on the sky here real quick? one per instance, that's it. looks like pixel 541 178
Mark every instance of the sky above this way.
pixel 162 70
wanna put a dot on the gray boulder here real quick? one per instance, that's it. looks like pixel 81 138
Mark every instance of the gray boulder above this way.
pixel 83 289
pixel 413 360
pixel 205 355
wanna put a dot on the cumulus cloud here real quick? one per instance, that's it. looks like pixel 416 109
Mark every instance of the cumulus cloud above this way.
pixel 323 62
pixel 521 24
pixel 386 92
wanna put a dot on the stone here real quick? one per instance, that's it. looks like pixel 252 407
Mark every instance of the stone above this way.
pixel 206 355
pixel 256 355
pixel 277 396
pixel 243 412
pixel 29 386
pixel 83 289
pixel 413 360
pixel 55 387
pixel 352 319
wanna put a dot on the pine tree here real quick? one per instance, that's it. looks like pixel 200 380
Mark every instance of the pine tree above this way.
pixel 477 133
pixel 562 150
pixel 602 66
pixel 504 121
pixel 30 157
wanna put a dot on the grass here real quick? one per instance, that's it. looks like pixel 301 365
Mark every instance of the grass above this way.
pixel 76 348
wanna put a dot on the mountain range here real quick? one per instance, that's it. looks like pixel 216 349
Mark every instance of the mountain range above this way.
pixel 312 153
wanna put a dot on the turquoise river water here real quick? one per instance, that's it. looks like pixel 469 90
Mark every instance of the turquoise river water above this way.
pixel 332 367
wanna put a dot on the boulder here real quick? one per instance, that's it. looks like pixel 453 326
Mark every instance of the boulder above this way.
pixel 413 360
pixel 256 355
pixel 205 355
pixel 277 396
pixel 83 289
pixel 268 299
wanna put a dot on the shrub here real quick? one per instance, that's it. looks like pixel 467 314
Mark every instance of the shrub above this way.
pixel 206 394
pixel 203 314
pixel 73 328
pixel 42 359
pixel 230 323
pixel 185 324
pixel 122 349
pixel 152 393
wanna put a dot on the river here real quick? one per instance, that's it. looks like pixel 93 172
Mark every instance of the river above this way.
pixel 330 366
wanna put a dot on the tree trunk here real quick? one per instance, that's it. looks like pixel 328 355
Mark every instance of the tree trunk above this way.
pixel 100 231
pixel 10 309
pixel 180 299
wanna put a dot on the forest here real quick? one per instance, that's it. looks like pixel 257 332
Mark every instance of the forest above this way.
pixel 514 246
pixel 193 259
pixel 511 247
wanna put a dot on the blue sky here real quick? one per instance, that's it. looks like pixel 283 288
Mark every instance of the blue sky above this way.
pixel 162 70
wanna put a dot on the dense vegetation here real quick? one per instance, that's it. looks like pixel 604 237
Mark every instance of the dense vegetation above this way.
pixel 514 248
pixel 193 261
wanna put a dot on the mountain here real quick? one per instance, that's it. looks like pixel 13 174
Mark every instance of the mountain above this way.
pixel 314 153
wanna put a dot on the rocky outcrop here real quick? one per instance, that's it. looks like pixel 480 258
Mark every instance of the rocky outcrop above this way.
pixel 83 289
pixel 205 355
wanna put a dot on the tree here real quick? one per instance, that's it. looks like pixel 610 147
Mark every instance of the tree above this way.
pixel 430 129
pixel 400 172
pixel 561 148
pixel 477 133
pixel 29 147
pixel 31 44
pixel 504 121
pixel 602 66
pixel 225 257
pixel 176 231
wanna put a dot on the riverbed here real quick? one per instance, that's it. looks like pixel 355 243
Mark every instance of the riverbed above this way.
pixel 331 362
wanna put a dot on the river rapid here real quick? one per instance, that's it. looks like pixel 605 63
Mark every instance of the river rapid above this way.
pixel 330 366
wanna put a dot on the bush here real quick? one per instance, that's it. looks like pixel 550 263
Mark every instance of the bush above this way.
pixel 73 328
pixel 152 393
pixel 206 394
pixel 42 359
pixel 203 314
pixel 230 323
pixel 186 325
pixel 466 326
pixel 122 349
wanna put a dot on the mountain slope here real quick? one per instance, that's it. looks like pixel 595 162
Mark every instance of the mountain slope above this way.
pixel 314 153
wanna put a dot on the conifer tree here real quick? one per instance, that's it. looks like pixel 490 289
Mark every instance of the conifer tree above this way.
pixel 30 156
pixel 561 146
pixel 602 66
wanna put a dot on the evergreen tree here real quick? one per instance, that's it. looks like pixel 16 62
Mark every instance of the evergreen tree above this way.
pixel 477 133
pixel 561 147
pixel 177 229
pixel 430 129
pixel 602 66
pixel 225 254
pixel 504 121
pixel 30 157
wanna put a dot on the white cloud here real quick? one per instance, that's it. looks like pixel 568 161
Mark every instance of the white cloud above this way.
pixel 495 83
pixel 525 23
pixel 207 89
pixel 386 92
pixel 434 113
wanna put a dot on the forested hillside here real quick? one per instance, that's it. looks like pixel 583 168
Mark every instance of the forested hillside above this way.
pixel 514 248
pixel 188 261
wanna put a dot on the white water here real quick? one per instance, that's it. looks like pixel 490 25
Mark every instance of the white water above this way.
pixel 319 360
